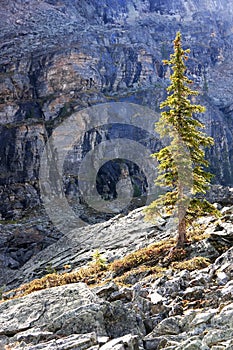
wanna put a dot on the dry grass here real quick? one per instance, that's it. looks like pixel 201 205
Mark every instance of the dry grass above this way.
pixel 149 256
pixel 88 275
pixel 148 261
pixel 197 233
pixel 195 263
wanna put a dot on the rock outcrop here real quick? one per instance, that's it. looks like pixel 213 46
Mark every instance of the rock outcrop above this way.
pixel 116 237
pixel 183 309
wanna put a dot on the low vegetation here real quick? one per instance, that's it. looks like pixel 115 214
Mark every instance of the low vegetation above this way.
pixel 196 263
pixel 152 261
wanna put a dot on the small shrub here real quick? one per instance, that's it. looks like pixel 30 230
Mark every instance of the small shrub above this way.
pixel 98 260
pixel 50 269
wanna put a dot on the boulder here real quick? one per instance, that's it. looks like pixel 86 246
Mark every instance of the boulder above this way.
pixel 65 311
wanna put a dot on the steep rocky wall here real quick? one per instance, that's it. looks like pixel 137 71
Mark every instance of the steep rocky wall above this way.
pixel 58 57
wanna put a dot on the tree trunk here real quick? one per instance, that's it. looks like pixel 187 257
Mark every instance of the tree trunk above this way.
pixel 182 238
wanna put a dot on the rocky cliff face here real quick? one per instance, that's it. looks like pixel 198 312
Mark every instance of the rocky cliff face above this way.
pixel 58 57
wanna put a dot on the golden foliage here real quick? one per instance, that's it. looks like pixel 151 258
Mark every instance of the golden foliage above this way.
pixel 88 275
pixel 149 256
pixel 152 260
pixel 196 263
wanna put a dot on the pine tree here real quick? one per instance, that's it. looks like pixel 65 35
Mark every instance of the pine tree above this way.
pixel 182 164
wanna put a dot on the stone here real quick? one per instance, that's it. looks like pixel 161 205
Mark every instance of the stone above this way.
pixel 216 336
pixel 57 310
pixel 123 294
pixel 222 277
pixel 203 317
pixel 222 236
pixel 156 298
pixel 194 292
pixel 128 342
pixel 189 316
pixel 106 290
pixel 193 345
pixel 165 341
pixel 170 325
pixel 4 340
pixel 27 310
pixel 75 341
pixel 228 289
pixel 223 264
pixel 33 336
pixel 103 340
pixel 224 318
